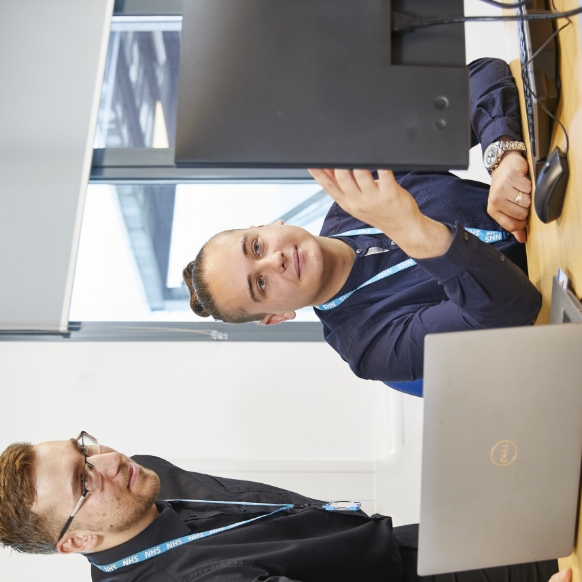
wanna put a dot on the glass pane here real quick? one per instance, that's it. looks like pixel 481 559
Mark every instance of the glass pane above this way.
pixel 140 86
pixel 136 239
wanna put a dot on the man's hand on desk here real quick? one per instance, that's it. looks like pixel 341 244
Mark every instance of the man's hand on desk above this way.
pixel 564 576
pixel 506 205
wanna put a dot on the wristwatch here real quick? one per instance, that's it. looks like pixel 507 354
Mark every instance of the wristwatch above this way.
pixel 495 151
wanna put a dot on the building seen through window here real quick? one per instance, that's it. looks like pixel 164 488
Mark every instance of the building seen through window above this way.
pixel 140 87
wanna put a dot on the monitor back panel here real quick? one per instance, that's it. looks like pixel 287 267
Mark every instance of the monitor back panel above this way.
pixel 298 83
pixel 502 447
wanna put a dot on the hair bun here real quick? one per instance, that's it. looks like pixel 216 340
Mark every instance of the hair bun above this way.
pixel 199 309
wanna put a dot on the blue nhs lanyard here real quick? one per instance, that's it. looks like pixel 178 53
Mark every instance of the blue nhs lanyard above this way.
pixel 170 545
pixel 487 236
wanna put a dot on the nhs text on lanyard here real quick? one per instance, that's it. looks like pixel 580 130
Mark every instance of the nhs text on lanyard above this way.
pixel 170 545
pixel 487 236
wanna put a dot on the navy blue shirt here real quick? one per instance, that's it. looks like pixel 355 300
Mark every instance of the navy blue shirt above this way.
pixel 380 329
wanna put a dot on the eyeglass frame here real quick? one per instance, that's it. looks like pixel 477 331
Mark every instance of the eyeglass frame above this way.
pixel 86 492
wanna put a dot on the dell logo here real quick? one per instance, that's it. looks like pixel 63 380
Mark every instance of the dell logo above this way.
pixel 503 453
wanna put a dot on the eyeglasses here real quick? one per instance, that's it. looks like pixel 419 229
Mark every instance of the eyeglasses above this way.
pixel 91 479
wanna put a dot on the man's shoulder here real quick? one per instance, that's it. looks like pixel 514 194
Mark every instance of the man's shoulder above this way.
pixel 152 462
pixel 175 482
pixel 178 483
pixel 338 220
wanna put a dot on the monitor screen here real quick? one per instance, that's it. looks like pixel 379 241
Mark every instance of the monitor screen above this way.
pixel 321 83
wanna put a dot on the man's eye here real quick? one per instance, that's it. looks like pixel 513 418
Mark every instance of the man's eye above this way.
pixel 261 283
pixel 256 248
pixel 84 483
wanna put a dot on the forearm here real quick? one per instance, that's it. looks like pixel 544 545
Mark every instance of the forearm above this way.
pixel 387 206
pixel 494 102
pixel 484 290
pixel 484 283
pixel 421 238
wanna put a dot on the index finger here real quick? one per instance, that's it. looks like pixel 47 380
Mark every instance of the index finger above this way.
pixel 321 173
pixel 327 180
pixel 386 176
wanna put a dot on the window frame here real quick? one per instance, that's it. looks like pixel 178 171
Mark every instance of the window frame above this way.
pixel 304 331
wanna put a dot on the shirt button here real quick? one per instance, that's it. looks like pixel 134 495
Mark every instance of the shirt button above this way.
pixel 466 235
pixel 502 258
pixel 359 251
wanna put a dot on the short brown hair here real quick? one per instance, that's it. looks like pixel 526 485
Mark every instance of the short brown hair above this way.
pixel 20 528
pixel 201 300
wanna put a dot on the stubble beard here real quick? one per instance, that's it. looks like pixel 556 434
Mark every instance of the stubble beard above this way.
pixel 142 502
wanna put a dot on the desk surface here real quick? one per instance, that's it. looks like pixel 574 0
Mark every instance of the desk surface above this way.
pixel 559 244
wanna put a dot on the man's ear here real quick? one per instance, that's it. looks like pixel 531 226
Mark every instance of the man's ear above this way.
pixel 78 543
pixel 278 222
pixel 275 318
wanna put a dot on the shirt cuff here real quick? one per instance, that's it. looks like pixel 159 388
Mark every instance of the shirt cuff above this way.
pixel 498 128
pixel 457 258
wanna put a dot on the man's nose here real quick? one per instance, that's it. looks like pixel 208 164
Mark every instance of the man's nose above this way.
pixel 108 464
pixel 275 261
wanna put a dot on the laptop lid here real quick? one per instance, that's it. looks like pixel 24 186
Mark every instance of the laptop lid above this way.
pixel 502 447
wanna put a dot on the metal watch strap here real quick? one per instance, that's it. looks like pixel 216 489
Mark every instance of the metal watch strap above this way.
pixel 506 146
pixel 512 145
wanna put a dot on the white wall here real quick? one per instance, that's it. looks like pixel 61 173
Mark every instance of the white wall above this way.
pixel 289 414
pixel 195 400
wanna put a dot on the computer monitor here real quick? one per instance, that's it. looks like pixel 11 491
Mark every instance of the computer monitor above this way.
pixel 321 83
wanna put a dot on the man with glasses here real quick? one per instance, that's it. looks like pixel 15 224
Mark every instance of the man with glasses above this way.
pixel 144 519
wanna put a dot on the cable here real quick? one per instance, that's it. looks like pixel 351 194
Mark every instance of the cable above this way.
pixel 98 330
pixel 402 23
pixel 517 4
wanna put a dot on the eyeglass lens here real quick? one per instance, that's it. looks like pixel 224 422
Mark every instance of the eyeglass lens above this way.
pixel 91 477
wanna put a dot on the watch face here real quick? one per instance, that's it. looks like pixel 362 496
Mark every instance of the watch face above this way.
pixel 490 155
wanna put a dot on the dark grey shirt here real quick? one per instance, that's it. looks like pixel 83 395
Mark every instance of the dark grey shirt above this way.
pixel 304 544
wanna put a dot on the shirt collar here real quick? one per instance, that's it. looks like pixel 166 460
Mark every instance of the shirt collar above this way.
pixel 167 526
pixel 352 281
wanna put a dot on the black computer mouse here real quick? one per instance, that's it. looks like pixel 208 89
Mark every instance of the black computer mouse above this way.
pixel 551 186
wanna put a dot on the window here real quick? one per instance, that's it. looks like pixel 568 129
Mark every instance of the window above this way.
pixel 136 239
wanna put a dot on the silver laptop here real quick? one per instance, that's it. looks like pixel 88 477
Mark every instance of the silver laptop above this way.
pixel 502 447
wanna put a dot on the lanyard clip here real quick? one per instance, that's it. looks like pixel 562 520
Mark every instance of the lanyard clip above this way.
pixel 342 506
